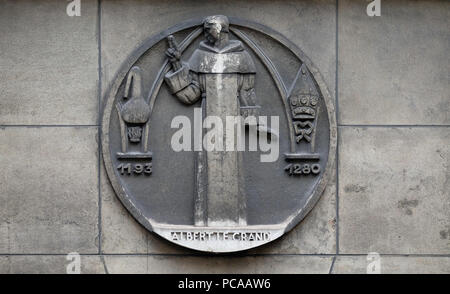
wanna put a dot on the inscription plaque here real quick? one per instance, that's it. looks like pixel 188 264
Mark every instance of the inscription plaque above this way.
pixel 219 134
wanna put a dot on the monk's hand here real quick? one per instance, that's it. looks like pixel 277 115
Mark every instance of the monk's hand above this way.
pixel 173 55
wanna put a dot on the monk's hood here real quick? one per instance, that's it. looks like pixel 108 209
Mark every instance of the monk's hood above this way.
pixel 233 58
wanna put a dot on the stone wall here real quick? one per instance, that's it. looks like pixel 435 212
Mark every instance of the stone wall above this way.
pixel 389 76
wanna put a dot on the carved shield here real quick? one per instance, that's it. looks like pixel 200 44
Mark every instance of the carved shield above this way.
pixel 184 196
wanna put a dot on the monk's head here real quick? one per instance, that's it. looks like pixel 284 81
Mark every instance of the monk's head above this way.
pixel 215 27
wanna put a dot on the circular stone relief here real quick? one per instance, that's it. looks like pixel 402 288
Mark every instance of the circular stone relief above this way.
pixel 218 134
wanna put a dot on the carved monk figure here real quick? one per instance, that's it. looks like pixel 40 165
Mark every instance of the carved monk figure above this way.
pixel 222 74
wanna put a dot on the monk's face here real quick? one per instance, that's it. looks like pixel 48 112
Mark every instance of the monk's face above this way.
pixel 212 32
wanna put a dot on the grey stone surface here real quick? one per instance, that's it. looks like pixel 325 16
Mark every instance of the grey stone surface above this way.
pixel 148 206
pixel 320 240
pixel 394 190
pixel 49 190
pixel 223 200
pixel 121 233
pixel 393 182
pixel 48 64
pixel 393 69
pixel 311 26
pixel 217 265
pixel 394 265
pixel 48 264
pixel 316 234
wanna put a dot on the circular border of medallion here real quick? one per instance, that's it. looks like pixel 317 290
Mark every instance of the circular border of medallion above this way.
pixel 164 230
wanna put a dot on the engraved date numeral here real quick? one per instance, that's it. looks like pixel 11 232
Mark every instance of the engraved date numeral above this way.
pixel 296 169
pixel 137 168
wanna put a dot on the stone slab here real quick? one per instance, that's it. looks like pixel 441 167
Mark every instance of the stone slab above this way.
pixel 121 233
pixel 393 68
pixel 393 265
pixel 217 265
pixel 311 26
pixel 316 234
pixel 48 264
pixel 49 190
pixel 394 190
pixel 49 64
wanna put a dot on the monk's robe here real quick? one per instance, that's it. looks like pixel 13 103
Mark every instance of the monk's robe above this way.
pixel 224 79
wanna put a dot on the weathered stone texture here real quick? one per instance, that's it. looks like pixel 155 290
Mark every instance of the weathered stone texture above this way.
pixel 311 26
pixel 49 190
pixel 126 24
pixel 48 63
pixel 316 234
pixel 45 264
pixel 394 190
pixel 393 181
pixel 393 265
pixel 218 265
pixel 393 69
pixel 121 233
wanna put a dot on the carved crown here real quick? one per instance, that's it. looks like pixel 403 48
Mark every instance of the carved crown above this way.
pixel 303 105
